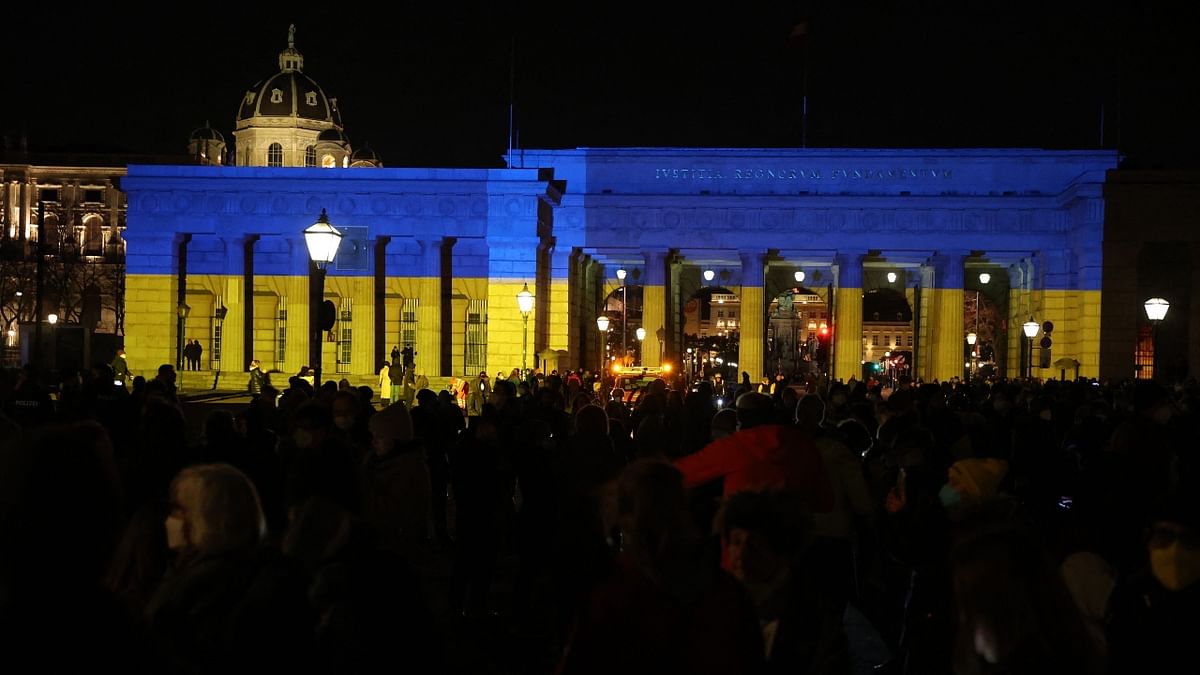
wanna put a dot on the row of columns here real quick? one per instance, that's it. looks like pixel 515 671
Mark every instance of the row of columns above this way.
pixel 936 299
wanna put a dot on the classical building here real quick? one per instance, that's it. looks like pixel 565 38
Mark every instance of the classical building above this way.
pixel 70 204
pixel 438 255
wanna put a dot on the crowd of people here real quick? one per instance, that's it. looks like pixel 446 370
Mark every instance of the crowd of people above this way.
pixel 546 525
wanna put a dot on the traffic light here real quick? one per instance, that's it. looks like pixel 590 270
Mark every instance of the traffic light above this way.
pixel 823 335
pixel 1045 355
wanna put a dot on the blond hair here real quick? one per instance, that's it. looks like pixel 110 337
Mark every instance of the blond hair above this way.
pixel 221 509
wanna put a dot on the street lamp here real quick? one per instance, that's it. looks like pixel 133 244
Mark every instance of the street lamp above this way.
pixel 641 335
pixel 891 277
pixel 52 319
pixel 1156 311
pixel 525 304
pixel 709 275
pixel 984 277
pixel 1030 328
pixel 971 339
pixel 602 323
pixel 624 314
pixel 799 276
pixel 322 240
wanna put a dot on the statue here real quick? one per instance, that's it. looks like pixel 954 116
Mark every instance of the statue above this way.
pixel 291 36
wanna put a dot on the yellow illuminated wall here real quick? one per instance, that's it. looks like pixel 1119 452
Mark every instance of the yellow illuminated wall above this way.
pixel 847 334
pixel 948 339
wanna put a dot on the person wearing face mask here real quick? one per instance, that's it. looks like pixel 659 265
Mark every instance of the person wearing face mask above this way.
pixel 969 482
pixel 1155 613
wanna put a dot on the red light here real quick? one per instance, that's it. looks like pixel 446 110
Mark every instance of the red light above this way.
pixel 824 331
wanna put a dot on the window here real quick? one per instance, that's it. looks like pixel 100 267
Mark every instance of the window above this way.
pixel 93 236
pixel 281 332
pixel 1143 355
pixel 215 353
pixel 476 357
pixel 48 194
pixel 874 340
pixel 345 337
pixel 310 156
pixel 275 155
pixel 887 340
pixel 93 196
pixel 733 313
pixel 408 324
pixel 328 162
pixel 910 340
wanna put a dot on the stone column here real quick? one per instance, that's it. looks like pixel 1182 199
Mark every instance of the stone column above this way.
pixel 947 317
pixel 512 262
pixel 848 318
pixel 752 331
pixel 654 305
pixel 429 308
pixel 557 299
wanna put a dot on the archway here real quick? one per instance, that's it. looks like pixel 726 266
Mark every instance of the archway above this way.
pixel 889 341
pixel 795 341
pixel 623 307
pixel 712 319
pixel 984 318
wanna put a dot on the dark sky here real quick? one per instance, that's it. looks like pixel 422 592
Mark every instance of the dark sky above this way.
pixel 429 86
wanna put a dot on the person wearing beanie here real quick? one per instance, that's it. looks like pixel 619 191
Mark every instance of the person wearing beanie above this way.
pixel 396 483
pixel 969 483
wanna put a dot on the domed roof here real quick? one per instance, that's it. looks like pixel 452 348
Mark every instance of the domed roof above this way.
pixel 364 154
pixel 288 93
pixel 206 133
pixel 334 135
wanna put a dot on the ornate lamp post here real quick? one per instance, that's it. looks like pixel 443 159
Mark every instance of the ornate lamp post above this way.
pixel 1156 311
pixel 1030 329
pixel 602 324
pixel 641 335
pixel 322 240
pixel 971 339
pixel 52 319
pixel 624 315
pixel 525 304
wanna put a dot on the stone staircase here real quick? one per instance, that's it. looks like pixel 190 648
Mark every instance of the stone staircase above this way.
pixel 197 381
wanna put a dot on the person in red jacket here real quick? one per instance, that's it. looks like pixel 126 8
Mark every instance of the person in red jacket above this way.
pixel 760 455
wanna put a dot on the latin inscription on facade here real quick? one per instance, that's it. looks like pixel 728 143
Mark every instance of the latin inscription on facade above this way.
pixel 806 174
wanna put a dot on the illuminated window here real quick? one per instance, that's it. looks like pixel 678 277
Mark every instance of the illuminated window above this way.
pixel 345 337
pixel 476 357
pixel 276 96
pixel 310 156
pixel 93 236
pixel 310 98
pixel 275 155
pixel 1143 354
pixel 874 340
pixel 281 332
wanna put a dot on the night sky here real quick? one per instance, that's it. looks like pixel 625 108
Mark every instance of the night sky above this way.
pixel 425 85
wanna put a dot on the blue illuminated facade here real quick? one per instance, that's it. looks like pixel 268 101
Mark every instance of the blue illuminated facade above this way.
pixel 434 257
